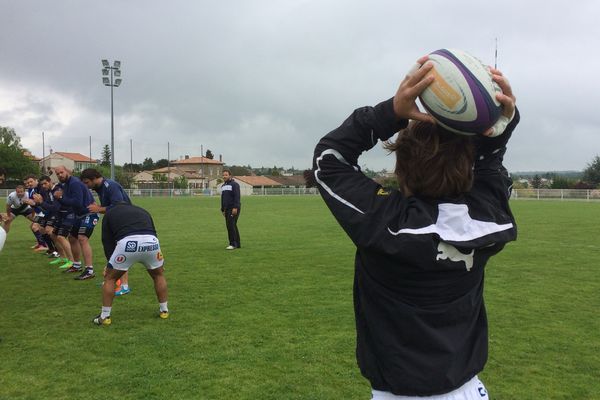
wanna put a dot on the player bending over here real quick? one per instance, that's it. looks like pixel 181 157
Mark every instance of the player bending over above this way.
pixel 421 250
pixel 128 237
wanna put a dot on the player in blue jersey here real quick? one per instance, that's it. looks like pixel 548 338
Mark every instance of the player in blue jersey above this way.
pixel 109 193
pixel 76 195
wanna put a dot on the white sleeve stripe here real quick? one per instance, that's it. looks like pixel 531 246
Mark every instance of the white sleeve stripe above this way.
pixel 341 159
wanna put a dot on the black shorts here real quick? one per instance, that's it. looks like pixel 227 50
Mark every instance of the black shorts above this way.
pixel 64 224
pixel 24 211
pixel 49 220
pixel 85 225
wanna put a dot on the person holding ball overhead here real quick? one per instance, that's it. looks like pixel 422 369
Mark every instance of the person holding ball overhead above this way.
pixel 421 250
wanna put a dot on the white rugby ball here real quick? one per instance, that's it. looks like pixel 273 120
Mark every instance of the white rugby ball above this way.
pixel 462 97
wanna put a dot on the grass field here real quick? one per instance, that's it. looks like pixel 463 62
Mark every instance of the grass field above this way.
pixel 274 320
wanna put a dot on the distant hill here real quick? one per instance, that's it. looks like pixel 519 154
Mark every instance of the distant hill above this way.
pixel 543 174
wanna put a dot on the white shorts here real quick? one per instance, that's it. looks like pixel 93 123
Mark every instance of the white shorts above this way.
pixel 144 249
pixel 472 390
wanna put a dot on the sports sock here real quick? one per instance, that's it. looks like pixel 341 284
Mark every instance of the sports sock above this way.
pixel 105 312
pixel 39 238
pixel 49 242
pixel 77 264
pixel 163 307
pixel 90 268
pixel 125 286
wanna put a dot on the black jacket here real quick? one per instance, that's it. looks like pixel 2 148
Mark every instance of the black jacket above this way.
pixel 230 195
pixel 123 220
pixel 419 268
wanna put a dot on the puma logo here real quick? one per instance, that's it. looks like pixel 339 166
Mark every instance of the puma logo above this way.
pixel 448 252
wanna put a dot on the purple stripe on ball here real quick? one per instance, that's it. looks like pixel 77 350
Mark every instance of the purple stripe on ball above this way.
pixel 487 112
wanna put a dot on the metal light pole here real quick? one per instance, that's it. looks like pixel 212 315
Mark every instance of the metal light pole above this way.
pixel 114 71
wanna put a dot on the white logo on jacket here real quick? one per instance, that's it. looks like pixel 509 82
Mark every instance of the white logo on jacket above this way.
pixel 448 252
pixel 226 187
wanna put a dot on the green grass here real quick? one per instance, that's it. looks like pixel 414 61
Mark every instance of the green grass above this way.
pixel 274 320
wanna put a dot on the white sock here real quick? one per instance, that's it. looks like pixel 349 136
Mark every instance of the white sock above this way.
pixel 77 264
pixel 163 307
pixel 105 312
pixel 90 268
pixel 125 286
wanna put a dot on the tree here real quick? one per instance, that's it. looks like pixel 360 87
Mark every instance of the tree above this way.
pixel 162 163
pixel 132 167
pixel 12 160
pixel 536 182
pixel 238 171
pixel 209 154
pixel 105 156
pixel 180 183
pixel 592 173
pixel 147 164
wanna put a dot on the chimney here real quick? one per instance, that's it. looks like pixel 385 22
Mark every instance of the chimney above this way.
pixel 187 157
pixel 220 157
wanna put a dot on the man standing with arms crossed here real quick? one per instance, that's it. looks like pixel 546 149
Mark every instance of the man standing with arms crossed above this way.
pixel 76 195
pixel 230 207
pixel 110 193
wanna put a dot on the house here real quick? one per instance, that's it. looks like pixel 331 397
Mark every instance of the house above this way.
pixel 295 181
pixel 74 161
pixel 205 167
pixel 163 178
pixel 247 183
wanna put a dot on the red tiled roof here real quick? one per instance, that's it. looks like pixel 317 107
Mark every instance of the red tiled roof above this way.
pixel 257 180
pixel 196 160
pixel 75 156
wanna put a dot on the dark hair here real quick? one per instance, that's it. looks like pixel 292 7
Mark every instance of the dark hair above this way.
pixel 30 177
pixel 90 173
pixel 45 178
pixel 433 162
pixel 226 170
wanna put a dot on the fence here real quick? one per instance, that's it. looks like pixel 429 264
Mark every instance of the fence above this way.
pixel 257 191
pixel 517 194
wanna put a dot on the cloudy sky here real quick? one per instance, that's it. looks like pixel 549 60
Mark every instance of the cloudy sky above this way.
pixel 260 81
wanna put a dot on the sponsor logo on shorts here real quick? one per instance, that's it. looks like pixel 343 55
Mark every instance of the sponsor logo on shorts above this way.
pixel 147 247
pixel 95 221
pixel 482 391
pixel 131 246
pixel 120 259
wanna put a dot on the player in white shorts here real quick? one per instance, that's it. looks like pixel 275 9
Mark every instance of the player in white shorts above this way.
pixel 129 237
pixel 144 249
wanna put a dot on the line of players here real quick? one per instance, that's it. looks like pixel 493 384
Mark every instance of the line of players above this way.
pixel 64 216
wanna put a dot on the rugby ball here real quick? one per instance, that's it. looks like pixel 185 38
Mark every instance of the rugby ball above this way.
pixel 2 237
pixel 462 98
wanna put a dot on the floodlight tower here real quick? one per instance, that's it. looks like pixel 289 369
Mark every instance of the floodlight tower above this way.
pixel 115 73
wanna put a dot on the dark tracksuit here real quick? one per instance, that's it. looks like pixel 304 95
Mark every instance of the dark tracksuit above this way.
pixel 230 199
pixel 111 193
pixel 419 268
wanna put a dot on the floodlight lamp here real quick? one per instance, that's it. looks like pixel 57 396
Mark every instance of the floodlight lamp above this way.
pixel 117 64
pixel 118 82
pixel 105 71
pixel 117 72
pixel 105 63
pixel 106 81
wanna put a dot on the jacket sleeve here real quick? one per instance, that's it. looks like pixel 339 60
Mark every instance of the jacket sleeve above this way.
pixel 74 199
pixel 236 196
pixel 490 175
pixel 351 196
pixel 108 241
pixel 114 196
